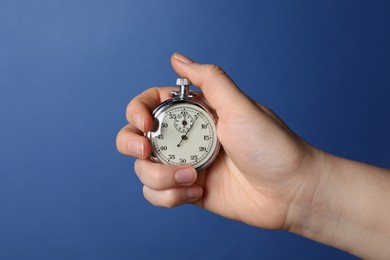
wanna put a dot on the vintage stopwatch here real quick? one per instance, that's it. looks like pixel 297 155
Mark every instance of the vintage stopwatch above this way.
pixel 184 130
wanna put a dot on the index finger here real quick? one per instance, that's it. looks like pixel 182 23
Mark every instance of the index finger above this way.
pixel 139 110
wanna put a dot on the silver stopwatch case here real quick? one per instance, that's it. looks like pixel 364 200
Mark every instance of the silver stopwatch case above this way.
pixel 184 130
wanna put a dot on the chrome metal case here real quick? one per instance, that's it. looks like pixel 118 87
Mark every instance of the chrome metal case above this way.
pixel 184 96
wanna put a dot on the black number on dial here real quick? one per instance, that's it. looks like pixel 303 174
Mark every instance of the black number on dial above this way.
pixel 202 149
pixel 182 160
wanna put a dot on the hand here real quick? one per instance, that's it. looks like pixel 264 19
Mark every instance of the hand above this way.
pixel 260 172
pixel 265 175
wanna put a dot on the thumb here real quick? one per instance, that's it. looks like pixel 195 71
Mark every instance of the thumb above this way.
pixel 219 90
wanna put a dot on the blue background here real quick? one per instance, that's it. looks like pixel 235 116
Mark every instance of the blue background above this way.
pixel 69 68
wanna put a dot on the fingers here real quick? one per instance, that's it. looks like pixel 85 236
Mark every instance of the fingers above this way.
pixel 166 185
pixel 139 110
pixel 162 177
pixel 173 197
pixel 130 141
pixel 221 92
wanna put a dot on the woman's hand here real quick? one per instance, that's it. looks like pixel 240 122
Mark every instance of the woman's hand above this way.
pixel 264 175
pixel 260 172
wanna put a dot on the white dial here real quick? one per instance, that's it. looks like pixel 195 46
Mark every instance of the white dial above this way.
pixel 184 133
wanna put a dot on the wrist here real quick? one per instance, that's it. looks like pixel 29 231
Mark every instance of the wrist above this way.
pixel 308 211
pixel 343 203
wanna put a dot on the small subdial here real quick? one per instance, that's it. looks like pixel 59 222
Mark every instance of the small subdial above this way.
pixel 183 121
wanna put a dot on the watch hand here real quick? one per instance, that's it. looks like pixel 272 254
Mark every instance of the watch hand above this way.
pixel 184 137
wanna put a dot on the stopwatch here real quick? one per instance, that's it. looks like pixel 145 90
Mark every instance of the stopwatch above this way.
pixel 184 130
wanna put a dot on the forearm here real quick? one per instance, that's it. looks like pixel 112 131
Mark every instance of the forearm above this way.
pixel 348 207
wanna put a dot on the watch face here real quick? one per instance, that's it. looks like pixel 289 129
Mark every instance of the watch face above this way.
pixel 184 133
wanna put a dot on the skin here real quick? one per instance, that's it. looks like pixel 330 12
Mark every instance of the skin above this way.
pixel 273 179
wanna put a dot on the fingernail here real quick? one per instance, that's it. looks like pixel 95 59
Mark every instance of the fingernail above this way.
pixel 194 192
pixel 182 58
pixel 139 122
pixel 185 176
pixel 136 148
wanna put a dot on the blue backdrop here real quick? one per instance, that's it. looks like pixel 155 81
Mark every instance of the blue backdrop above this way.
pixel 69 68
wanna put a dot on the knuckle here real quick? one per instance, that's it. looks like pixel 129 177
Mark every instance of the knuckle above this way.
pixel 158 180
pixel 215 70
pixel 212 74
pixel 151 93
pixel 167 199
pixel 153 177
pixel 118 138
pixel 171 199
pixel 145 100
pixel 128 110
pixel 148 197
pixel 137 167
pixel 133 105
